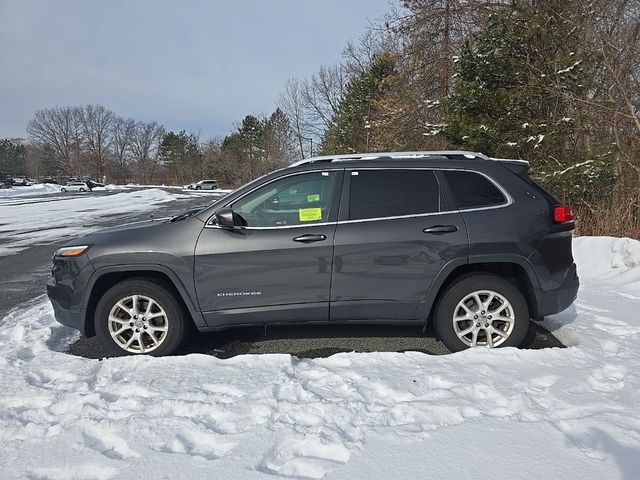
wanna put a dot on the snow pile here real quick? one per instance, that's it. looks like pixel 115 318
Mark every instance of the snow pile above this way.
pixel 28 222
pixel 109 188
pixel 616 260
pixel 36 189
pixel 556 413
pixel 138 185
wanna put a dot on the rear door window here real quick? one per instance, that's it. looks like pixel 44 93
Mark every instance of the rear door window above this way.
pixel 392 193
pixel 472 190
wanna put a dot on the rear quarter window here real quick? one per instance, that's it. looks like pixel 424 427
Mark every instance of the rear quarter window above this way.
pixel 472 190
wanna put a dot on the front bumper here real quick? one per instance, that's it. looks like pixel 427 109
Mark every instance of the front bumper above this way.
pixel 66 288
pixel 70 318
pixel 556 300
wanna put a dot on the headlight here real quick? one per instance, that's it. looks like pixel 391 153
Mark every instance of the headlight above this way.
pixel 71 251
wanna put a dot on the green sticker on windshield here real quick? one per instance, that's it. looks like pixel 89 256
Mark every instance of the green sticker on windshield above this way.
pixel 313 198
pixel 310 214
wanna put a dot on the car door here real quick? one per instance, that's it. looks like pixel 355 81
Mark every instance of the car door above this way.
pixel 278 266
pixel 394 235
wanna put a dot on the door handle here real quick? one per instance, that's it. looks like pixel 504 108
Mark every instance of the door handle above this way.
pixel 310 238
pixel 441 229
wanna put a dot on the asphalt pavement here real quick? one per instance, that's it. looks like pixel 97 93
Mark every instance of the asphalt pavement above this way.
pixel 23 277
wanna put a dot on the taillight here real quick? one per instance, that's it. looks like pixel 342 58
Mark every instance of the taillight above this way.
pixel 562 213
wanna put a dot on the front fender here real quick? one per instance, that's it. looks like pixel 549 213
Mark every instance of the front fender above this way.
pixel 140 269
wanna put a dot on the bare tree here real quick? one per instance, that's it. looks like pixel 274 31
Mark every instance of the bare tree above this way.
pixel 144 146
pixel 310 104
pixel 122 134
pixel 321 96
pixel 97 128
pixel 55 127
pixel 291 104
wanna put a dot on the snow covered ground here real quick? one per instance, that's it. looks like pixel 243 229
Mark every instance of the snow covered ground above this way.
pixel 36 189
pixel 482 414
pixel 25 222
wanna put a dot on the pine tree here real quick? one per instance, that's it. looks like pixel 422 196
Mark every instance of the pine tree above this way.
pixel 508 95
pixel 12 156
pixel 353 127
pixel 279 140
pixel 180 154
pixel 51 164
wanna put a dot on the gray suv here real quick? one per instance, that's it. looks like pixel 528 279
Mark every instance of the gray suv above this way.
pixel 466 242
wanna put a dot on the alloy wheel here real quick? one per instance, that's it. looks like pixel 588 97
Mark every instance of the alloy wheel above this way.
pixel 138 324
pixel 483 318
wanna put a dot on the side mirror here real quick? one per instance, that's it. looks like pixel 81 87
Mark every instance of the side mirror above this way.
pixel 225 217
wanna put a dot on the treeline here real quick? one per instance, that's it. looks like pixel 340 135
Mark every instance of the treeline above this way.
pixel 555 82
pixel 93 141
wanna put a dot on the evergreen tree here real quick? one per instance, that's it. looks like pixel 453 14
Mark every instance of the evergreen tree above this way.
pixel 12 156
pixel 353 126
pixel 51 164
pixel 279 140
pixel 180 154
pixel 508 95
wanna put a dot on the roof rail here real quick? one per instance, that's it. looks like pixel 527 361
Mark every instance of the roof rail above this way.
pixel 373 156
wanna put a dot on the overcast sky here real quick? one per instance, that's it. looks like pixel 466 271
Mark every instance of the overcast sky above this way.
pixel 194 65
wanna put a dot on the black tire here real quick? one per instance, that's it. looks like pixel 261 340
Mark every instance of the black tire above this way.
pixel 465 285
pixel 82 189
pixel 177 322
pixel 198 187
pixel 63 189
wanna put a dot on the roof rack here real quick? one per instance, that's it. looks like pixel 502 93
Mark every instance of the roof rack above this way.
pixel 373 156
pixel 449 154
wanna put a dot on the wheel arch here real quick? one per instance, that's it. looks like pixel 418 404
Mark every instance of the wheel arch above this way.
pixel 515 268
pixel 105 278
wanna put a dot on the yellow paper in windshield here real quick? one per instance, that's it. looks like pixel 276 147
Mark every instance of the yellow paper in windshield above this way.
pixel 310 214
pixel 313 198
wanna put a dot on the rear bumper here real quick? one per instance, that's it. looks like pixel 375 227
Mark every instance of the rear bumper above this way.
pixel 558 299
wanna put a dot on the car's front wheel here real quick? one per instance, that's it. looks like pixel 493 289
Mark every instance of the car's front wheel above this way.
pixel 63 189
pixel 198 187
pixel 481 310
pixel 139 316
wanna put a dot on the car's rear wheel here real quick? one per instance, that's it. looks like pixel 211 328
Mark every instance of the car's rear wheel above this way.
pixel 481 310
pixel 139 316
pixel 63 189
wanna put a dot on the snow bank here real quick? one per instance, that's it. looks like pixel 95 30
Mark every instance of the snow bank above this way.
pixel 615 260
pixel 36 189
pixel 138 185
pixel 26 222
pixel 109 188
pixel 555 413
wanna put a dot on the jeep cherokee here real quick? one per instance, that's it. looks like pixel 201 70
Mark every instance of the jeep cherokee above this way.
pixel 464 241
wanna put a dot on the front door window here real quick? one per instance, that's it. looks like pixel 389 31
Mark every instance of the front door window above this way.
pixel 296 200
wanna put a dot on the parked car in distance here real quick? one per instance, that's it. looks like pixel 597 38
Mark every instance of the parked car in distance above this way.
pixel 75 187
pixel 465 242
pixel 203 185
pixel 93 184
pixel 21 182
